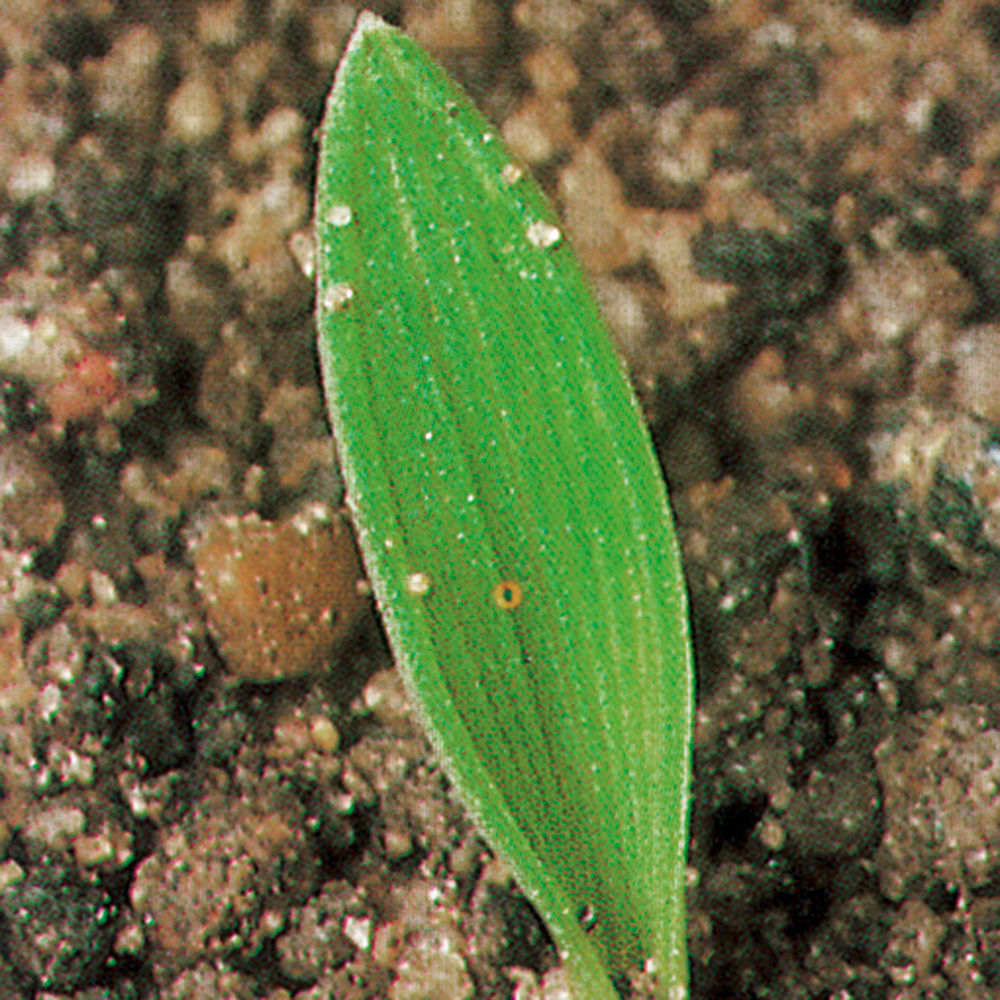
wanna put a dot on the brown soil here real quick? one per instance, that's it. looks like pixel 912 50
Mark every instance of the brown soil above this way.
pixel 790 213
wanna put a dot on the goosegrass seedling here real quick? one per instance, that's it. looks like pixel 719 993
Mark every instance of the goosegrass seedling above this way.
pixel 510 511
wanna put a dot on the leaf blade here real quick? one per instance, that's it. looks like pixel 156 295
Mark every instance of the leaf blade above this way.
pixel 487 434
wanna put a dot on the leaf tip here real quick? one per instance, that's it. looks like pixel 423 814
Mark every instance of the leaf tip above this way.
pixel 367 21
pixel 367 26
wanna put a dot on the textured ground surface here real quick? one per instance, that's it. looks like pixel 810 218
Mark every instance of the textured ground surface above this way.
pixel 790 213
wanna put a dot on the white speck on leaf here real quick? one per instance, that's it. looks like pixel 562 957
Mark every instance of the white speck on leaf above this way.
pixel 511 173
pixel 340 215
pixel 543 235
pixel 338 297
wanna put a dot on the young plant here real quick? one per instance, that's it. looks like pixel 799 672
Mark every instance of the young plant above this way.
pixel 510 511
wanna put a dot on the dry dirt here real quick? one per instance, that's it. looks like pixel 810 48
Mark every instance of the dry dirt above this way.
pixel 790 213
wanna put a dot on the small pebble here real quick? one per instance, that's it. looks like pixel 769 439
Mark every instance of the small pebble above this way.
pixel 280 597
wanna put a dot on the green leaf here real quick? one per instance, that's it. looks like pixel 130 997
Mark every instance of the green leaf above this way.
pixel 511 514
